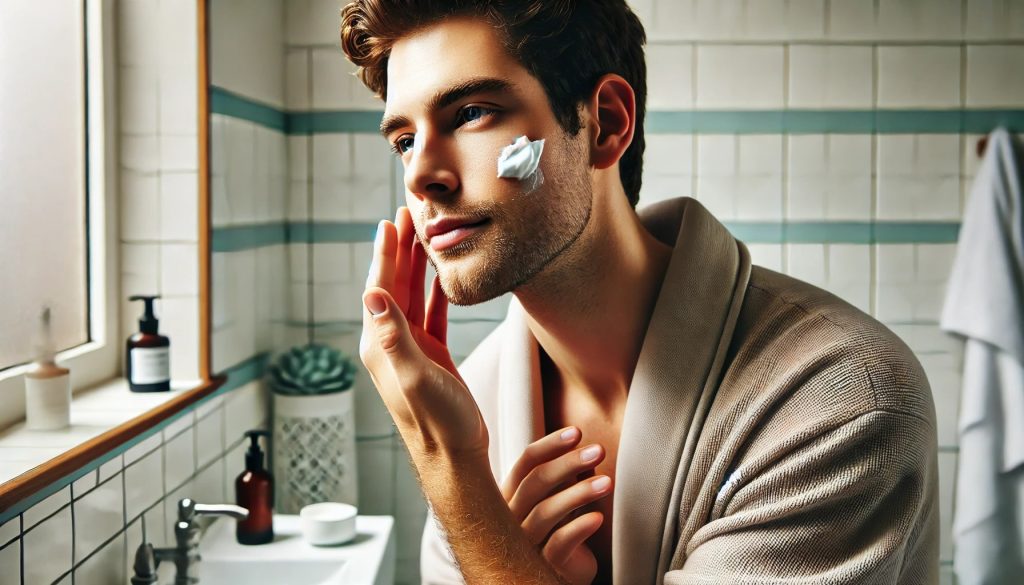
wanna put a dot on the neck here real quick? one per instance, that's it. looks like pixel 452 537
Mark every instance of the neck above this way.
pixel 589 309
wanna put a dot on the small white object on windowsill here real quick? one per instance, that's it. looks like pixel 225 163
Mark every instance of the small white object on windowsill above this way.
pixel 47 385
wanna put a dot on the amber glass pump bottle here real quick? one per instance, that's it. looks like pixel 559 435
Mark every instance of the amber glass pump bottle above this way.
pixel 254 491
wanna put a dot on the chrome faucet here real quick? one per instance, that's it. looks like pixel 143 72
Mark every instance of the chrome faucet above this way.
pixel 185 555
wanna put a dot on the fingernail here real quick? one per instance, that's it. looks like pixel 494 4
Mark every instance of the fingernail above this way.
pixel 590 453
pixel 568 434
pixel 600 484
pixel 375 303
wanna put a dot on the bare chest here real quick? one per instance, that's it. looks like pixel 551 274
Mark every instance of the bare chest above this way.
pixel 603 429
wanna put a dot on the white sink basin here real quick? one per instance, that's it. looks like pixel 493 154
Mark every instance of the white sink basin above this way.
pixel 273 572
pixel 369 559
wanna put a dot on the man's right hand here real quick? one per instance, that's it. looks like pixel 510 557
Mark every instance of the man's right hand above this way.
pixel 543 491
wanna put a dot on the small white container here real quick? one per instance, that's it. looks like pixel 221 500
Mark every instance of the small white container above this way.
pixel 48 399
pixel 328 523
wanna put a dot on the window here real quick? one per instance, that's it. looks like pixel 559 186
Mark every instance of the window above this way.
pixel 58 225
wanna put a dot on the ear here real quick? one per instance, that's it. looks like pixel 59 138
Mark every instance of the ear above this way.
pixel 613 115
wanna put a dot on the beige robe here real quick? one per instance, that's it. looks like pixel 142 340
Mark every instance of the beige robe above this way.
pixel 772 434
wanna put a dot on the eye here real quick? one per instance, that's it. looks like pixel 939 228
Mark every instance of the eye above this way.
pixel 473 113
pixel 403 144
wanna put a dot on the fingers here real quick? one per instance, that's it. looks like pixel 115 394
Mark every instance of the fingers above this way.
pixel 564 541
pixel 437 313
pixel 417 275
pixel 382 269
pixel 540 451
pixel 403 258
pixel 545 478
pixel 545 515
pixel 392 334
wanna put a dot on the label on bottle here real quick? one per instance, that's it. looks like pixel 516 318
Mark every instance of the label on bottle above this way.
pixel 151 365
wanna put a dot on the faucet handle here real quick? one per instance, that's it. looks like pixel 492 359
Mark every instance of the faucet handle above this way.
pixel 144 566
pixel 189 509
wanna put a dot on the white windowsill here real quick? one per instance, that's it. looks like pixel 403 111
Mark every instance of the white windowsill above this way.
pixel 93 412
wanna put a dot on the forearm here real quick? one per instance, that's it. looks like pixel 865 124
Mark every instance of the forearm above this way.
pixel 488 544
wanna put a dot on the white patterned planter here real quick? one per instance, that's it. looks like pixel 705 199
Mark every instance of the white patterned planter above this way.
pixel 314 451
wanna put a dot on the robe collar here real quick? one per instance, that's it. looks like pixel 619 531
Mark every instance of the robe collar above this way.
pixel 673 384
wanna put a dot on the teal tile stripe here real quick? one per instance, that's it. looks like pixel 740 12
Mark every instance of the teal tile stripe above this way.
pixel 884 121
pixel 844 232
pixel 356 121
pixel 954 121
pixel 231 239
pixel 332 232
pixel 247 237
pixel 234 105
pixel 238 375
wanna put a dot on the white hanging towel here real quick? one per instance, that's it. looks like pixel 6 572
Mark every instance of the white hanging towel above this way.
pixel 985 306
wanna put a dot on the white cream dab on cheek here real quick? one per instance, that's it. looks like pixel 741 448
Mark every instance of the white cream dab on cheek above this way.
pixel 521 160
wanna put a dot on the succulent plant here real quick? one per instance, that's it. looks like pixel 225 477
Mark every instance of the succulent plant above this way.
pixel 311 370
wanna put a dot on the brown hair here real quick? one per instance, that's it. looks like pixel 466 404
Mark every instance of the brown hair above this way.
pixel 566 44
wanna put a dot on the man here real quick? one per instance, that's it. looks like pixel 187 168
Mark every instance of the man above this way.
pixel 741 426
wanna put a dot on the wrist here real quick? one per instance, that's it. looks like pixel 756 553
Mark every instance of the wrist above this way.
pixel 437 446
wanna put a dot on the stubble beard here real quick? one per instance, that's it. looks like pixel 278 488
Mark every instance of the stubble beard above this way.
pixel 525 234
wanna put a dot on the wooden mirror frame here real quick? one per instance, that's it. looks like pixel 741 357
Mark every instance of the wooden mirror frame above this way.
pixel 19 490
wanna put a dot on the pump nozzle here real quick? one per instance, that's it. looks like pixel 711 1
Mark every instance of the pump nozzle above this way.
pixel 148 323
pixel 254 455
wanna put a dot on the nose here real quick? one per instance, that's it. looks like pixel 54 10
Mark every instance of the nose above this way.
pixel 431 169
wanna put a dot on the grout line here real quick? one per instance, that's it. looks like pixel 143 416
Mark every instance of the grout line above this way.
pixel 74 533
pixel 124 514
pixel 827 14
pixel 43 519
pixel 21 551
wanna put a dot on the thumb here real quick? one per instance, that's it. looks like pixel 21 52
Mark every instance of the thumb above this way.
pixel 392 329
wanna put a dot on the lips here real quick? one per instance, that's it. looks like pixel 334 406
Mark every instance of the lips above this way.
pixel 448 232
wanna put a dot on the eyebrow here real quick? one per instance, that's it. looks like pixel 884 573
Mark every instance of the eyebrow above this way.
pixel 449 96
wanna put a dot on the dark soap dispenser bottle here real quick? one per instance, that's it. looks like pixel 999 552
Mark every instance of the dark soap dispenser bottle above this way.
pixel 148 354
pixel 254 491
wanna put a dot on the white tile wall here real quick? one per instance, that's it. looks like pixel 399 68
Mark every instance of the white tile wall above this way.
pixel 247 51
pixel 312 22
pixel 670 77
pixel 740 177
pixel 1000 19
pixel 831 76
pixel 918 76
pixel 993 76
pixel 99 515
pixel 739 76
pixel 918 177
pixel 852 19
pixel 335 86
pixel 46 548
pixel 919 19
pixel 10 556
pixel 829 177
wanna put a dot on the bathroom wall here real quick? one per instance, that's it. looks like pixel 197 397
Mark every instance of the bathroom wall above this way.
pixel 248 185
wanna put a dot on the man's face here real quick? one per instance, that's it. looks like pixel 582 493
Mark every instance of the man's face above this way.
pixel 455 99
